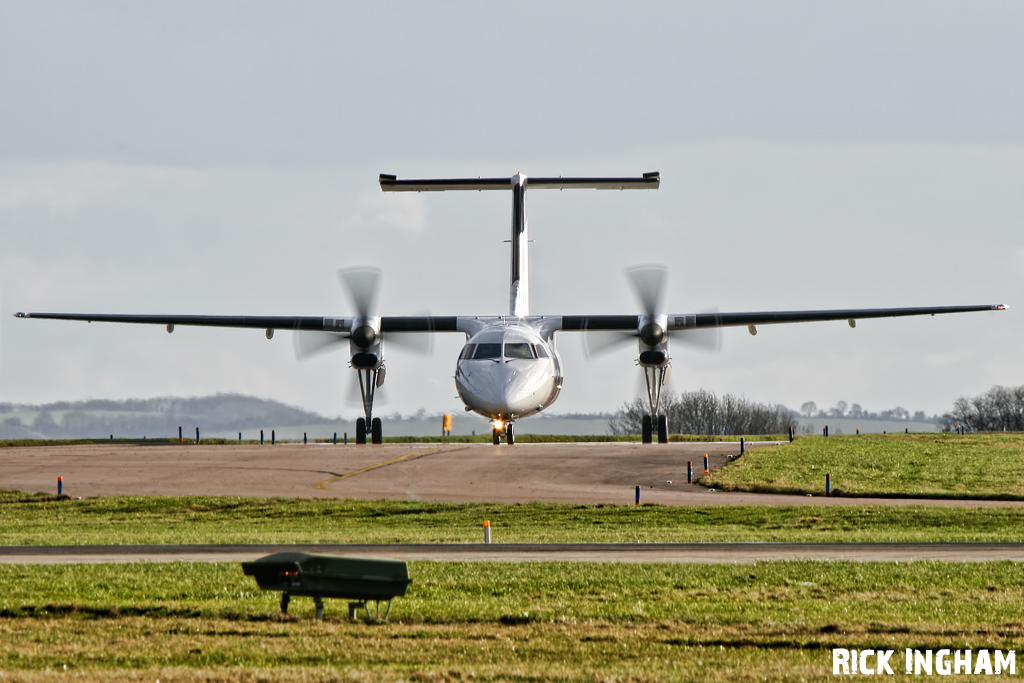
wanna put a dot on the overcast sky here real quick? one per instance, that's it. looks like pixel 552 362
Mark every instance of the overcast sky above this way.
pixel 222 157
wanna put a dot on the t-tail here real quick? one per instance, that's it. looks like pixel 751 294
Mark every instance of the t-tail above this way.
pixel 519 289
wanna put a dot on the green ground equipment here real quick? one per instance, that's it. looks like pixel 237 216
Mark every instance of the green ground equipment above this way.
pixel 359 579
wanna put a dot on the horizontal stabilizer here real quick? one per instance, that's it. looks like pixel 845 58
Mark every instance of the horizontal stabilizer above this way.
pixel 390 183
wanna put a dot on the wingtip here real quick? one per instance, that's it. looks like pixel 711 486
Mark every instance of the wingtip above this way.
pixel 19 314
pixel 1001 307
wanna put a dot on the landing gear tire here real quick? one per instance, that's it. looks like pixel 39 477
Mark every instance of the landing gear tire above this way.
pixel 646 429
pixel 662 429
pixel 376 431
pixel 495 436
pixel 510 438
pixel 361 430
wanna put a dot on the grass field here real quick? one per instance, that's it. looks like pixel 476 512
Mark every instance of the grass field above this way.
pixel 989 465
pixel 532 621
pixel 516 621
pixel 48 520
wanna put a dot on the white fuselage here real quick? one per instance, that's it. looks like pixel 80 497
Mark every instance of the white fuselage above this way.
pixel 508 370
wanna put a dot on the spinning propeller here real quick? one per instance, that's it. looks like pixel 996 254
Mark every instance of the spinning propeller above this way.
pixel 362 287
pixel 648 284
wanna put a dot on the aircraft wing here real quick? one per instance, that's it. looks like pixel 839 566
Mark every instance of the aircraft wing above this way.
pixel 706 320
pixel 719 319
pixel 422 323
pixel 428 323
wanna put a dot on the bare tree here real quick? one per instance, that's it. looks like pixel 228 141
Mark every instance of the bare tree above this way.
pixel 998 409
pixel 702 412
pixel 809 409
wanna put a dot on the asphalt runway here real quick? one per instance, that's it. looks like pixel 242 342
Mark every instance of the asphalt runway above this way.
pixel 563 473
pixel 714 553
pixel 567 473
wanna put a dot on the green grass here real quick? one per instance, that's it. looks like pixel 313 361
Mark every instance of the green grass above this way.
pixel 42 519
pixel 978 466
pixel 531 621
pixel 502 621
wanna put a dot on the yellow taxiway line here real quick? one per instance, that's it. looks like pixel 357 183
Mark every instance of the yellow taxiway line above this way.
pixel 400 458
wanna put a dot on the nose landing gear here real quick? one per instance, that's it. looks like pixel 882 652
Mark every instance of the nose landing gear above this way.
pixel 508 431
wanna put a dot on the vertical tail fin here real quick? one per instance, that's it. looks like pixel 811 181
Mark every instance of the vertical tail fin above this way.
pixel 519 272
pixel 519 294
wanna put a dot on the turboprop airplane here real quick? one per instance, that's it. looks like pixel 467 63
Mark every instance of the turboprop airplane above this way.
pixel 509 368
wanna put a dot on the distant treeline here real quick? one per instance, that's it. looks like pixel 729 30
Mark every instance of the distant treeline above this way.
pixel 702 412
pixel 698 412
pixel 844 410
pixel 152 417
pixel 218 414
pixel 998 409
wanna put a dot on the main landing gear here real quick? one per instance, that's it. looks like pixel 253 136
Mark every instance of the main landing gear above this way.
pixel 652 423
pixel 369 380
pixel 376 431
pixel 655 379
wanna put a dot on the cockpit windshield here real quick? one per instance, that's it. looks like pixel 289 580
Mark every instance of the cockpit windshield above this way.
pixel 509 350
pixel 518 350
pixel 488 351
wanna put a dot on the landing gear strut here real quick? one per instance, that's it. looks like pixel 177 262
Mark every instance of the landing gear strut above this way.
pixel 369 380
pixel 655 379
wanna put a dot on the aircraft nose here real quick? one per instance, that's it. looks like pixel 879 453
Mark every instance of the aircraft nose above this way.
pixel 518 387
pixel 506 390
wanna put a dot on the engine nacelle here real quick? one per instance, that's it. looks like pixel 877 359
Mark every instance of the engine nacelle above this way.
pixel 366 344
pixel 652 331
